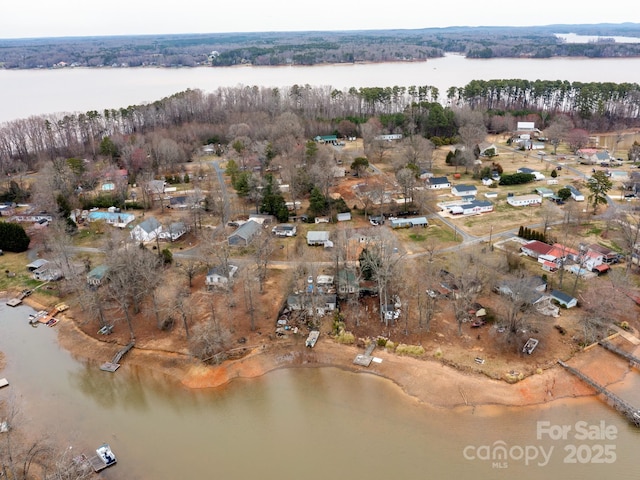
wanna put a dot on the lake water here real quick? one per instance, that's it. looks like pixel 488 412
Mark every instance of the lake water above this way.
pixel 34 92
pixel 312 423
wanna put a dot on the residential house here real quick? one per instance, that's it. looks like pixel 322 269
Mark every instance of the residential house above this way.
pixel 217 277
pixel 464 190
pixel 473 207
pixel 575 193
pixel 318 237
pixel 348 283
pixel 487 182
pixel 511 287
pixel 389 137
pixel 409 222
pixel 544 192
pixel 146 231
pixel 537 175
pixel 436 183
pixel 96 276
pixel 608 256
pixel 48 272
pixel 488 149
pixel 262 218
pixel 36 264
pixel 524 200
pixel 535 248
pixel 593 156
pixel 173 232
pixel 285 230
pixel 312 304
pixel 244 234
pixel 564 299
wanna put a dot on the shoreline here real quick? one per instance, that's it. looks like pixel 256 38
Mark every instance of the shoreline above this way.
pixel 428 381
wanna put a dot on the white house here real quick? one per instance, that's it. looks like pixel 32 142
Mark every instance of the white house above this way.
pixel 217 277
pixel 173 232
pixel 285 230
pixel 524 200
pixel 564 299
pixel 464 190
pixel 436 183
pixel 575 193
pixel 146 231
pixel 318 237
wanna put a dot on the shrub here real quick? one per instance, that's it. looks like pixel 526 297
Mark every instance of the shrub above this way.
pixel 346 338
pixel 390 346
pixel 438 353
pixel 381 341
pixel 410 350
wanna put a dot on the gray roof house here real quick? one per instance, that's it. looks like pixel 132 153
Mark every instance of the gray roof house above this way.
pixel 317 237
pixel 216 276
pixel 564 299
pixel 464 190
pixel 147 230
pixel 245 234
pixel 97 275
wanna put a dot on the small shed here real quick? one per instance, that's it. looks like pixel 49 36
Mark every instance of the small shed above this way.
pixel 344 217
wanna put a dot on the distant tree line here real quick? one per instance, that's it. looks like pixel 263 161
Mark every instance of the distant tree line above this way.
pixel 311 48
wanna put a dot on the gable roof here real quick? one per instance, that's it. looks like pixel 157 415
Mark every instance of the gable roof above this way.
pixel 438 180
pixel 465 188
pixel 538 247
pixel 561 296
pixel 149 225
pixel 247 230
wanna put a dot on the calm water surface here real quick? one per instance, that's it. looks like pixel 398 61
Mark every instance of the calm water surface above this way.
pixel 34 92
pixel 313 423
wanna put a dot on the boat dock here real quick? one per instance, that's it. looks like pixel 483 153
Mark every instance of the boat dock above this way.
pixel 365 359
pixel 633 360
pixel 114 364
pixel 3 382
pixel 629 411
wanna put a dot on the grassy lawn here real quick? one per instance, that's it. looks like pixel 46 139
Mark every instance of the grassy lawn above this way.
pixel 15 263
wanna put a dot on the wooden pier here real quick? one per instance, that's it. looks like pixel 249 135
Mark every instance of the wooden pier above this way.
pixel 114 364
pixel 364 360
pixel 633 360
pixel 629 411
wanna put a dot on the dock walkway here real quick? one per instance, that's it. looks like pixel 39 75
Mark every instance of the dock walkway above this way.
pixel 114 364
pixel 365 359
pixel 633 360
pixel 629 411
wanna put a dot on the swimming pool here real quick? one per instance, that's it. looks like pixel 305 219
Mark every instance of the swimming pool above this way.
pixel 112 218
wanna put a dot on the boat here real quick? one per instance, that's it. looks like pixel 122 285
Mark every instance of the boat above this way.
pixel 312 338
pixel 530 346
pixel 35 317
pixel 104 458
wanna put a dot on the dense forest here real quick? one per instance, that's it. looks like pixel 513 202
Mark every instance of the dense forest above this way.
pixel 309 48
pixel 164 133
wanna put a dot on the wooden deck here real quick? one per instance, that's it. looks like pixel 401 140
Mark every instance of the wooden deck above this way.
pixel 14 302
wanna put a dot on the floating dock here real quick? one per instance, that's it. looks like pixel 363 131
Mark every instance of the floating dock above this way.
pixel 3 382
pixel 629 411
pixel 14 302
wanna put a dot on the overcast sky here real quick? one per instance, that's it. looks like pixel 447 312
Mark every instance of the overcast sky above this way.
pixel 48 18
